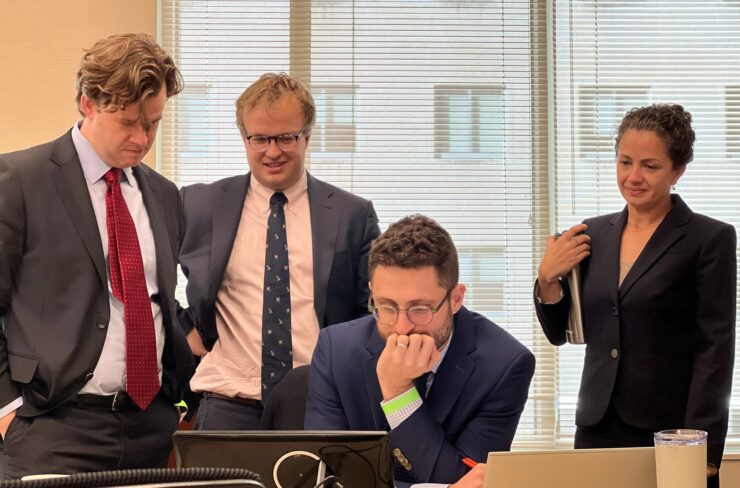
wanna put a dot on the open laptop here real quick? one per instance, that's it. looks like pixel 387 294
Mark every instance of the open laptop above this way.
pixel 293 459
pixel 580 468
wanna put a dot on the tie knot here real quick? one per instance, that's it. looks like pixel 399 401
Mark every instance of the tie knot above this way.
pixel 278 198
pixel 113 175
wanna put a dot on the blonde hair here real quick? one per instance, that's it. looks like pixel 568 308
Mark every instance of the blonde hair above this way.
pixel 124 69
pixel 269 89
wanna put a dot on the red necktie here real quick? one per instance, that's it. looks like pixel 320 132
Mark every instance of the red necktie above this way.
pixel 129 287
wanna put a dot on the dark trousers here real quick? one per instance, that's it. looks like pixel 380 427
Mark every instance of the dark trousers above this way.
pixel 611 431
pixel 73 438
pixel 221 413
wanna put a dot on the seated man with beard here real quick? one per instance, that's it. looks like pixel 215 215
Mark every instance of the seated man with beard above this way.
pixel 447 383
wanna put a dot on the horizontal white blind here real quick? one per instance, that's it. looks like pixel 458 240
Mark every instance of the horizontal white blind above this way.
pixel 612 56
pixel 436 107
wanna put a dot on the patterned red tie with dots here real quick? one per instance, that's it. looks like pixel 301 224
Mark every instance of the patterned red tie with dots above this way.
pixel 128 284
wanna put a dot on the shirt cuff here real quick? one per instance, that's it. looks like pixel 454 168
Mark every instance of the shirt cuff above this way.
pixel 539 300
pixel 400 408
pixel 11 407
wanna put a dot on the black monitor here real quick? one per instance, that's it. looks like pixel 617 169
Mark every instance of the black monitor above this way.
pixel 293 459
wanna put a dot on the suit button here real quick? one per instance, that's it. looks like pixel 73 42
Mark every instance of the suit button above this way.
pixel 615 312
pixel 614 353
pixel 102 326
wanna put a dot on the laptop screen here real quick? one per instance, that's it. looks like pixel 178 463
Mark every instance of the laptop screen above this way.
pixel 293 459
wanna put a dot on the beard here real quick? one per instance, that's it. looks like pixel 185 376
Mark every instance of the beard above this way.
pixel 442 334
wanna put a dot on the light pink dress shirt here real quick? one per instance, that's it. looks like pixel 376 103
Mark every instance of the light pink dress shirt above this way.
pixel 233 366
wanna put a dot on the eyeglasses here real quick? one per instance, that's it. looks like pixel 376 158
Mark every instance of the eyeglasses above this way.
pixel 417 315
pixel 285 142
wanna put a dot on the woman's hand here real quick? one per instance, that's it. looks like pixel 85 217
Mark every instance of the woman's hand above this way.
pixel 561 256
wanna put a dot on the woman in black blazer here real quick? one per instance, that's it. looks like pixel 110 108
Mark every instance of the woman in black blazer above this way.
pixel 658 298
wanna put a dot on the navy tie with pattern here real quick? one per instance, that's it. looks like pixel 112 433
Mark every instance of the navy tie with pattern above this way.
pixel 277 349
pixel 423 383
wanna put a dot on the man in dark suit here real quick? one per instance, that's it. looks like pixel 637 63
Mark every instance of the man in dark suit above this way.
pixel 271 257
pixel 91 358
pixel 446 382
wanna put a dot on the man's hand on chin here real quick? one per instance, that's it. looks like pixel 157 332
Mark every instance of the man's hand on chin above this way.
pixel 404 359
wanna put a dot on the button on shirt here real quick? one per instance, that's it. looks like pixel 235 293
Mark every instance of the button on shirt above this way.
pixel 109 375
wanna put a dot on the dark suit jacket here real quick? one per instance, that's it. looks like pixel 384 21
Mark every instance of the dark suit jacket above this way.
pixel 661 346
pixel 53 282
pixel 473 406
pixel 343 226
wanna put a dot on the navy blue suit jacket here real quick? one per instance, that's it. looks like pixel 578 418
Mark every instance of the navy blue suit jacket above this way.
pixel 473 406
pixel 660 347
pixel 343 226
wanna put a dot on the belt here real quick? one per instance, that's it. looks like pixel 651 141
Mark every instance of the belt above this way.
pixel 244 401
pixel 118 402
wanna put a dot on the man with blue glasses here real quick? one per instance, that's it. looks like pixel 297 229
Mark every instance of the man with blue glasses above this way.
pixel 271 257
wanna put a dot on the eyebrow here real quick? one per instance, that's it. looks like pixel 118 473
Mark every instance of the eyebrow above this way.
pixel 412 303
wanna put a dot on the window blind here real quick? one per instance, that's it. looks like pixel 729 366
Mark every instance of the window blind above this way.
pixel 494 117
pixel 436 107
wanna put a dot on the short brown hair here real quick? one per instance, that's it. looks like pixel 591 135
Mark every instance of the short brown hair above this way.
pixel 414 242
pixel 269 89
pixel 124 69
pixel 668 121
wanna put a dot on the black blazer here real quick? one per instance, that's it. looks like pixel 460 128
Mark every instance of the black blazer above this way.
pixel 661 346
pixel 53 281
pixel 343 226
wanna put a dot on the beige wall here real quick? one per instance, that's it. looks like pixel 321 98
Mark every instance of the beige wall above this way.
pixel 41 43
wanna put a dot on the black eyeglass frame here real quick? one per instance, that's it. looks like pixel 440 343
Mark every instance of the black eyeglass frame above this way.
pixel 283 146
pixel 374 310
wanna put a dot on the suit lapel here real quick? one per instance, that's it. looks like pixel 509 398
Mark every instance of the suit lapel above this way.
pixel 375 346
pixel 226 218
pixel 70 182
pixel 324 224
pixel 610 240
pixel 668 232
pixel 455 370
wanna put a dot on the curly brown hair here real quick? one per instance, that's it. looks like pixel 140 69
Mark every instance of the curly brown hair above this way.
pixel 414 242
pixel 269 88
pixel 670 122
pixel 124 69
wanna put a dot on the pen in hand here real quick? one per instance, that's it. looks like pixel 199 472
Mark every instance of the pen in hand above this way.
pixel 469 462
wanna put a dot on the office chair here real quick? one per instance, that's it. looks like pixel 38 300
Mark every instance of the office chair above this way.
pixel 285 409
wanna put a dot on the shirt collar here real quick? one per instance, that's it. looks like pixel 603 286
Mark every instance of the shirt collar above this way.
pixel 93 166
pixel 295 194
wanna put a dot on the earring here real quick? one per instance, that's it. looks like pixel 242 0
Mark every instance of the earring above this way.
pixel 673 187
